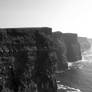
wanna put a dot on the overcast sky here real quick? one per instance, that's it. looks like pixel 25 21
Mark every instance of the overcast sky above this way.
pixel 62 15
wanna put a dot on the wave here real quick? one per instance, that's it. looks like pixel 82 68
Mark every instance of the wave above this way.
pixel 76 65
pixel 67 88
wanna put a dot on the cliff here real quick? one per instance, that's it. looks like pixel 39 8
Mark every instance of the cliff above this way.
pixel 84 43
pixel 27 58
pixel 31 56
pixel 72 46
pixel 60 51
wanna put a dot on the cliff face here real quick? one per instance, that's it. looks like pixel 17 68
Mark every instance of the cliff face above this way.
pixel 73 47
pixel 60 51
pixel 68 48
pixel 27 54
pixel 84 43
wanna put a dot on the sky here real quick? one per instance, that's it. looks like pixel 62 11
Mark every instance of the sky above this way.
pixel 72 16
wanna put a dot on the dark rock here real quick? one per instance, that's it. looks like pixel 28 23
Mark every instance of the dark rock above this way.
pixel 73 47
pixel 29 52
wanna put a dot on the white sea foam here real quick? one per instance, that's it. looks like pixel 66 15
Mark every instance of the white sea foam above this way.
pixel 75 65
pixel 67 88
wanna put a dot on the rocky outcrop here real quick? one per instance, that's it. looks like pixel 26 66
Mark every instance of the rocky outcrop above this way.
pixel 84 43
pixel 72 46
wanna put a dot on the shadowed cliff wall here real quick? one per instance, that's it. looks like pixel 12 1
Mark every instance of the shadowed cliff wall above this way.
pixel 26 55
pixel 72 46
pixel 60 51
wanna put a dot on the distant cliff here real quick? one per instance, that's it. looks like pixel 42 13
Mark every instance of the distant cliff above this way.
pixel 84 43
pixel 67 49
pixel 60 51
pixel 72 46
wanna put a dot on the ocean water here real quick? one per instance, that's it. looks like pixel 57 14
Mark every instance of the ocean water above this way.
pixel 79 76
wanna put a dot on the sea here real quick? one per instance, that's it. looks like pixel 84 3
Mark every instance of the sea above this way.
pixel 78 78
